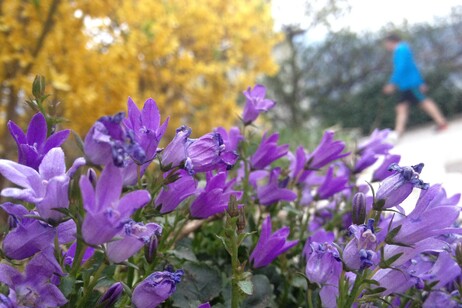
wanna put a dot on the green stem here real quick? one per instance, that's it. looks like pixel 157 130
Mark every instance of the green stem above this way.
pixel 130 273
pixel 309 298
pixel 235 293
pixel 80 252
pixel 353 295
pixel 82 302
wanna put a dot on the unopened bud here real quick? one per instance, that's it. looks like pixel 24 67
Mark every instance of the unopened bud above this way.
pixel 459 254
pixel 233 208
pixel 150 249
pixel 359 208
pixel 38 87
pixel 241 220
pixel 91 174
pixel 111 296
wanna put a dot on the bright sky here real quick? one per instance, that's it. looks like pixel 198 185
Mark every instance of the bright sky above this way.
pixel 368 14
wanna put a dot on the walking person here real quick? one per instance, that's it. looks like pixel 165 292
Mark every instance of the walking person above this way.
pixel 407 80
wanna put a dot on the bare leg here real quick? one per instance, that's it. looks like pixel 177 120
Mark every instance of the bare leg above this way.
pixel 430 108
pixel 402 112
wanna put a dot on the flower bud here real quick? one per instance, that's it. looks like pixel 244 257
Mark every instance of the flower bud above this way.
pixel 241 220
pixel 459 254
pixel 359 208
pixel 111 296
pixel 38 87
pixel 233 209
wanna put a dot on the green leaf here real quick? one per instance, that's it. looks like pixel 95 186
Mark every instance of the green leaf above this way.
pixel 392 234
pixel 262 295
pixel 387 263
pixel 246 286
pixel 183 250
pixel 376 290
pixel 67 285
pixel 200 282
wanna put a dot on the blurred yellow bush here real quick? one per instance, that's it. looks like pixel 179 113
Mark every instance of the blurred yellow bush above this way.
pixel 191 56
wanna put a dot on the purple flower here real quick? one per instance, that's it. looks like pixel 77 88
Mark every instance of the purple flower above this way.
pixel 109 141
pixel 204 305
pixel 34 145
pixel 359 253
pixel 382 172
pixel 47 188
pixel 214 198
pixel 205 154
pixel 171 195
pixel 33 288
pixel 396 188
pixel 323 265
pixel 268 151
pixel 274 191
pixel 146 126
pixel 111 296
pixel 320 236
pixel 255 103
pixel 331 184
pixel 231 138
pixel 376 143
pixel 439 299
pixel 297 165
pixel 28 235
pixel 106 212
pixel 365 160
pixel 270 245
pixel 327 151
pixel 174 154
pixel 133 237
pixel 156 288
pixel 434 214
pixel 69 255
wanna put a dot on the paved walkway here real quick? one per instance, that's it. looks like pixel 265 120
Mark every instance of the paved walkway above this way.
pixel 440 152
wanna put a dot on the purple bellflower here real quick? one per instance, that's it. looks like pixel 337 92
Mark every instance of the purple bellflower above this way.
pixel 106 212
pixel 268 151
pixel 34 145
pixel 382 172
pixel 69 255
pixel 275 190
pixel 133 237
pixel 440 299
pixel 28 235
pixel 360 253
pixel 208 153
pixel 47 188
pixel 156 288
pixel 323 265
pixel 270 245
pixel 327 151
pixel 298 160
pixel 331 184
pixel 255 103
pixel 370 149
pixel 171 195
pixel 214 198
pixel 109 141
pixel 434 214
pixel 320 236
pixel 33 287
pixel 174 154
pixel 377 142
pixel 231 138
pixel 146 127
pixel 111 296
pixel 396 188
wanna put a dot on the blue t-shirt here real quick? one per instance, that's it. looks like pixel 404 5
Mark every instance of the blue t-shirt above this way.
pixel 405 74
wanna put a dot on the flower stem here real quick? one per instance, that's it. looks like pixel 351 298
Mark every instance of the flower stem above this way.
pixel 235 292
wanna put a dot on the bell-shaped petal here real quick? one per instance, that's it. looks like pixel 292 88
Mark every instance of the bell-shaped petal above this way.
pixel 133 237
pixel 156 288
pixel 270 245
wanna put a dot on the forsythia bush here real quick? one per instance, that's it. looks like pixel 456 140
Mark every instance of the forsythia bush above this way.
pixel 97 53
pixel 222 220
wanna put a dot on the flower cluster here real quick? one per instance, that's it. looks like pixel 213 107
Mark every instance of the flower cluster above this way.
pixel 132 223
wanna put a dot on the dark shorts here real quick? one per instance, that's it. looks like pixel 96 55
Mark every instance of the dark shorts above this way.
pixel 411 96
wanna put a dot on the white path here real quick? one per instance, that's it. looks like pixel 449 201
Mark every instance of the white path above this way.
pixel 440 152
